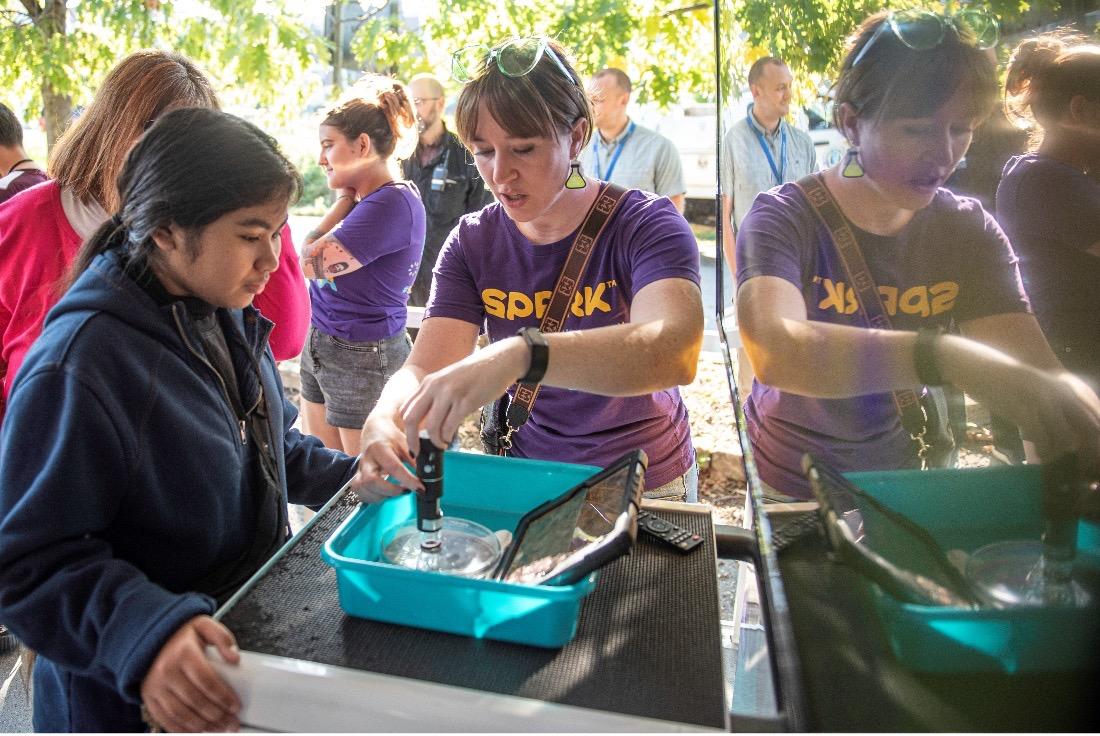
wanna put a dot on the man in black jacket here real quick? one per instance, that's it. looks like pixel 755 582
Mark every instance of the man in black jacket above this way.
pixel 445 175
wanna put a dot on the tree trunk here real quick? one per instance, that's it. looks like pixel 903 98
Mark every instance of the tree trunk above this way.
pixel 338 50
pixel 56 108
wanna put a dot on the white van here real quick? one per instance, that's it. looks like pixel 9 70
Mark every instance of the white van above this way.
pixel 692 128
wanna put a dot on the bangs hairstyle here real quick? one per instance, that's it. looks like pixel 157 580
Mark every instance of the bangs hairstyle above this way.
pixel 89 156
pixel 894 81
pixel 379 107
pixel 539 104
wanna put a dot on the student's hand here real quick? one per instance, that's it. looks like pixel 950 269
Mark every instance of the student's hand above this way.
pixel 181 691
pixel 445 398
pixel 384 452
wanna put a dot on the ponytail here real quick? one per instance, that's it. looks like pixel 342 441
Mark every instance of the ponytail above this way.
pixel 1045 73
pixel 379 107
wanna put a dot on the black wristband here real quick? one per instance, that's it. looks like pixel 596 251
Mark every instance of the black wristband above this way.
pixel 540 354
pixel 924 355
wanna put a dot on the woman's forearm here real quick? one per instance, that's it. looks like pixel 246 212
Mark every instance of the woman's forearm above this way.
pixel 621 360
pixel 343 205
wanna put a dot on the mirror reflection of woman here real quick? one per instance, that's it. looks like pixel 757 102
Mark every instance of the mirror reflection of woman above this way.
pixel 911 91
pixel 634 329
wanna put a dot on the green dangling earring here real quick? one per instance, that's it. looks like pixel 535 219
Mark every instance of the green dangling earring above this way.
pixel 852 168
pixel 575 180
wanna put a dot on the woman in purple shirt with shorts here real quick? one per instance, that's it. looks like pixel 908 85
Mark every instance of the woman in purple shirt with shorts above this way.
pixel 631 334
pixel 362 257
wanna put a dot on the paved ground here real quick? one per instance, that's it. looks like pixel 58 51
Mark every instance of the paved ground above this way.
pixel 15 712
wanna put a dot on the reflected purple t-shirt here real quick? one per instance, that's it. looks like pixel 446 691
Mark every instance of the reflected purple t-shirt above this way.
pixel 385 232
pixel 489 273
pixel 950 262
pixel 1051 213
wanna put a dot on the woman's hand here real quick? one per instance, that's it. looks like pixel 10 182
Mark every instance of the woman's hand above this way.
pixel 445 398
pixel 1055 410
pixel 1063 417
pixel 383 452
pixel 181 691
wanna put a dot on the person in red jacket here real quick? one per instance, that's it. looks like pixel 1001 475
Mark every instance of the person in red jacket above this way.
pixel 41 230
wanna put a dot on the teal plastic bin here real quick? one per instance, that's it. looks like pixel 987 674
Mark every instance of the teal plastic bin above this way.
pixel 493 491
pixel 968 509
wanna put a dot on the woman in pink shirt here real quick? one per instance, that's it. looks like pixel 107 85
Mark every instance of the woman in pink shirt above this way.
pixel 41 230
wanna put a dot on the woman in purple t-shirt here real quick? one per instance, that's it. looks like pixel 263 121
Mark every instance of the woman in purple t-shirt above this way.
pixel 362 257
pixel 1049 200
pixel 631 335
pixel 910 93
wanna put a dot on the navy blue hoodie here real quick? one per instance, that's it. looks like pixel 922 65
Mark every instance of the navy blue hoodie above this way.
pixel 124 485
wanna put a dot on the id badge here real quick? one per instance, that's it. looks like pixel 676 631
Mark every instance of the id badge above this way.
pixel 439 177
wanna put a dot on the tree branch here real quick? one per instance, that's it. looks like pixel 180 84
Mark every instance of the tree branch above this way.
pixel 33 8
pixel 15 15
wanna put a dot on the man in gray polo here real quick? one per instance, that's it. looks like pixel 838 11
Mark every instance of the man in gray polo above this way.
pixel 624 152
pixel 761 150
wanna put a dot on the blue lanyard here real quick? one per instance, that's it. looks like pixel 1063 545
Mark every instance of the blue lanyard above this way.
pixel 777 172
pixel 614 157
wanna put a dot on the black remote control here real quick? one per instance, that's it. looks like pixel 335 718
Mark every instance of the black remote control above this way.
pixel 668 532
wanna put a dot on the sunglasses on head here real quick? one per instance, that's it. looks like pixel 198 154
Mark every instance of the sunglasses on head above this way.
pixel 921 30
pixel 514 58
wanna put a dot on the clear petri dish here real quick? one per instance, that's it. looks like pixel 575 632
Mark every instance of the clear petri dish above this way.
pixel 461 547
pixel 1012 573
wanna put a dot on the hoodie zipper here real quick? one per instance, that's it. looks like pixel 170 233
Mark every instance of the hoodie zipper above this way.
pixel 241 426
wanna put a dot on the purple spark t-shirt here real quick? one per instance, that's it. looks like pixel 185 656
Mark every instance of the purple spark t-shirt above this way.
pixel 489 273
pixel 385 232
pixel 950 262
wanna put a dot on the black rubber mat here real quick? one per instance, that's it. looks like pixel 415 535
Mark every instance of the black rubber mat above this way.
pixel 648 642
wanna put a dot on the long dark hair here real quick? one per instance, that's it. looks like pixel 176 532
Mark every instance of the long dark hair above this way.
pixel 193 166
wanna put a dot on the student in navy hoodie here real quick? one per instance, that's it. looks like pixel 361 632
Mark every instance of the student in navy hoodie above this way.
pixel 147 456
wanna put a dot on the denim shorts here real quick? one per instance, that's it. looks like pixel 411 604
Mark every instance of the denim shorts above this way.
pixel 684 488
pixel 347 376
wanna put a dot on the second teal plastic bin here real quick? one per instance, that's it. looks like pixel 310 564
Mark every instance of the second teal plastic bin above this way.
pixel 965 510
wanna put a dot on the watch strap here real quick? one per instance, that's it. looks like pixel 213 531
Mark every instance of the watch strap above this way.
pixel 540 354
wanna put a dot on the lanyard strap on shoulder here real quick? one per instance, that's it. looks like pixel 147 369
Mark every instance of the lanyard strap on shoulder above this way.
pixel 576 263
pixel 859 279
pixel 614 157
pixel 777 171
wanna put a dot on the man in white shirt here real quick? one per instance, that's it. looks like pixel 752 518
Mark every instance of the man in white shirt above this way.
pixel 624 152
pixel 761 150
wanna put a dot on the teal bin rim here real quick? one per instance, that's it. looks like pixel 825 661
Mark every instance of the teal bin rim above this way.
pixel 385 569
pixel 921 635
